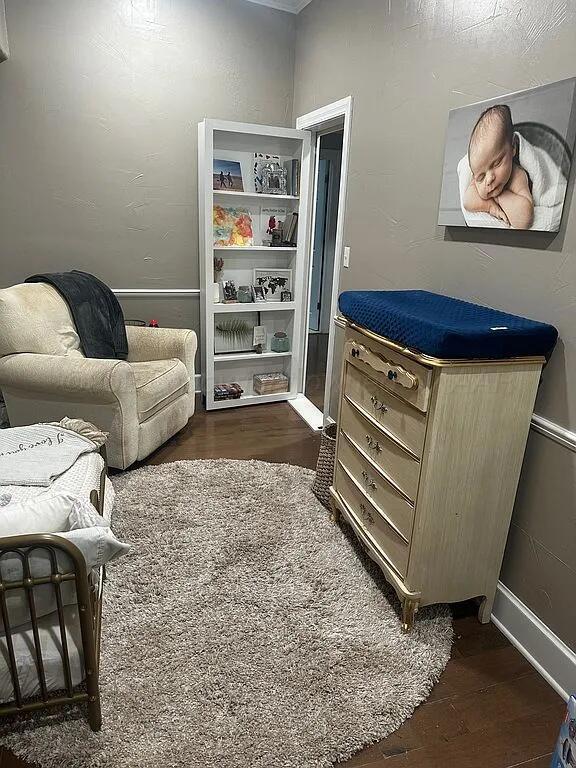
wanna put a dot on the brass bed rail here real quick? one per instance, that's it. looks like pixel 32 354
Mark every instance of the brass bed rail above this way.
pixel 88 601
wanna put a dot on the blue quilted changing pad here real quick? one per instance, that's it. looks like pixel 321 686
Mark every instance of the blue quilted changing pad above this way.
pixel 447 328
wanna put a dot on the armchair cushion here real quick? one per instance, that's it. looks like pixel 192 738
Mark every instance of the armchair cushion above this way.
pixel 34 318
pixel 158 383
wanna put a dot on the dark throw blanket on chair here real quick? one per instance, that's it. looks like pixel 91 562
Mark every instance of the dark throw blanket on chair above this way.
pixel 97 314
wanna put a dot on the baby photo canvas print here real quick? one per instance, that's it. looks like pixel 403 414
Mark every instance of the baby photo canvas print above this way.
pixel 507 161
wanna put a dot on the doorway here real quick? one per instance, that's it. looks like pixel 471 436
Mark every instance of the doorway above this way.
pixel 323 250
pixel 331 133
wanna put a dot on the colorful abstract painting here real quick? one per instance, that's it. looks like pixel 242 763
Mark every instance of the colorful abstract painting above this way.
pixel 232 227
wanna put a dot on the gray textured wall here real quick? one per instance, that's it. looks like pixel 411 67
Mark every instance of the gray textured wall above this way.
pixel 407 63
pixel 98 136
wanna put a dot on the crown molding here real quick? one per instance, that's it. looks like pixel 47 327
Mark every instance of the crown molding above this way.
pixel 290 6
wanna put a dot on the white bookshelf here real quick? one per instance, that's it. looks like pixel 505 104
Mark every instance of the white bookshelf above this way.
pixel 225 140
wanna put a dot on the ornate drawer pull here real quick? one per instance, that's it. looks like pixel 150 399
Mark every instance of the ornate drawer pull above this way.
pixel 366 515
pixel 373 444
pixel 378 406
pixel 370 483
pixel 393 372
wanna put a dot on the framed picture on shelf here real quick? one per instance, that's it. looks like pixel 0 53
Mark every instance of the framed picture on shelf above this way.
pixel 227 176
pixel 273 281
pixel 271 221
pixel 260 160
pixel 234 332
pixel 232 227
pixel 258 293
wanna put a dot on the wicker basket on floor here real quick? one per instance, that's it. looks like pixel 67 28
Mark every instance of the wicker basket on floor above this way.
pixel 325 465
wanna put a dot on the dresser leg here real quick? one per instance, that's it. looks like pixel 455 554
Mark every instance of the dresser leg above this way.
pixel 485 610
pixel 409 608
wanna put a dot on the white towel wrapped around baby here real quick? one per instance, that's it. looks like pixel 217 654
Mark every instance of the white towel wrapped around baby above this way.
pixel 548 189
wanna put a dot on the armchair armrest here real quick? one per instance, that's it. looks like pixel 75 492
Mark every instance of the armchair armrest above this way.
pixel 79 378
pixel 48 388
pixel 162 344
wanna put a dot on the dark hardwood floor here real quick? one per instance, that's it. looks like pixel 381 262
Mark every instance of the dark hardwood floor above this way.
pixel 490 709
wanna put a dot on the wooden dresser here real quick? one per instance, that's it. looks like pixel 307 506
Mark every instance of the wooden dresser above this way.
pixel 428 458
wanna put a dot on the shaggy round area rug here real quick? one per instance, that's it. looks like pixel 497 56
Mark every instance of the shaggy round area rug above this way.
pixel 244 628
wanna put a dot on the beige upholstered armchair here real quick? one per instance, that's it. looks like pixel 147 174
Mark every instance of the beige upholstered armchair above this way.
pixel 44 376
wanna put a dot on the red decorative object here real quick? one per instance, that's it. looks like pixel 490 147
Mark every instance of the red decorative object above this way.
pixel 153 324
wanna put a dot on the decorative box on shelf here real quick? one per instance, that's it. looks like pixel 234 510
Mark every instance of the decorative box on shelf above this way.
pixel 267 383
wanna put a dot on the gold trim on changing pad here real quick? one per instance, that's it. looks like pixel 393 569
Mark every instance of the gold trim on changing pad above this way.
pixel 434 362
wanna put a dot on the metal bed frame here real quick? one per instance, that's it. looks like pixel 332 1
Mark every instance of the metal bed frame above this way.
pixel 89 601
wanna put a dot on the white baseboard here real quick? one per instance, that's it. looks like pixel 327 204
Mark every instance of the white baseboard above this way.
pixel 536 642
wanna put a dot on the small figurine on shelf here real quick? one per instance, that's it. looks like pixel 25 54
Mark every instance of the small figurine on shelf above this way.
pixel 153 324
pixel 218 267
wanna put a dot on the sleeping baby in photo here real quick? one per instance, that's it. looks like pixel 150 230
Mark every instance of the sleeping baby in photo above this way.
pixel 507 182
pixel 499 186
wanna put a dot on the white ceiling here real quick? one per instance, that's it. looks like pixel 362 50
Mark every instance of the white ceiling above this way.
pixel 292 6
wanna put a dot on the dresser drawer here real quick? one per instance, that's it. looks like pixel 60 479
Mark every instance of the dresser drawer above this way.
pixel 392 505
pixel 386 539
pixel 399 467
pixel 393 414
pixel 394 371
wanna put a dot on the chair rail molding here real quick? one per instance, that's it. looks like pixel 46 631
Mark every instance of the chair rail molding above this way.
pixel 554 431
pixel 166 292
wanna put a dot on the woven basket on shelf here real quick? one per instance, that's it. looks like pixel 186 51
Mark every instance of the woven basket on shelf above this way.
pixel 325 465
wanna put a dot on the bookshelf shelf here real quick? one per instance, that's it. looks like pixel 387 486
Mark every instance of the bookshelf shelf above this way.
pixel 254 195
pixel 255 306
pixel 279 249
pixel 239 357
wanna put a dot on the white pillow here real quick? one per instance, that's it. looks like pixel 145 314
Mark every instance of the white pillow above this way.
pixel 47 513
pixel 35 318
pixel 90 533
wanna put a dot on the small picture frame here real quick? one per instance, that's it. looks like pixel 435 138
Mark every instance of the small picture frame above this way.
pixel 286 296
pixel 229 292
pixel 258 293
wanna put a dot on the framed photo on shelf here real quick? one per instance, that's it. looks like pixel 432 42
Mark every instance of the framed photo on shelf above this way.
pixel 227 176
pixel 273 281
pixel 258 293
pixel 271 221
pixel 260 160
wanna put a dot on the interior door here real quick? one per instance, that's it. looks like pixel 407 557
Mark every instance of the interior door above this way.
pixel 321 204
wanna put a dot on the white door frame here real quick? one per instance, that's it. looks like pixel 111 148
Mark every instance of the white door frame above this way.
pixel 319 121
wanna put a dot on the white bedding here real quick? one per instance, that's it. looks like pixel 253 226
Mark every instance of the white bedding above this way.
pixel 82 477
pixel 51 644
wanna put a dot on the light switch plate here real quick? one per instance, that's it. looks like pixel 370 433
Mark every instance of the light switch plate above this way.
pixel 346 258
